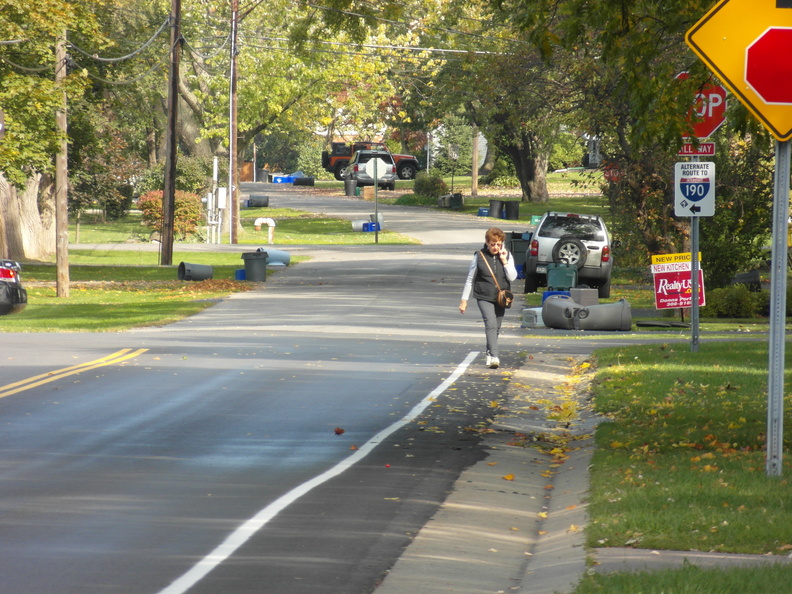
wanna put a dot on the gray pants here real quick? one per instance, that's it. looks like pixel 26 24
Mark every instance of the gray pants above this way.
pixel 492 314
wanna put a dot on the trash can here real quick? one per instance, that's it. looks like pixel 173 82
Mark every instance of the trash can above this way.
pixel 255 266
pixel 194 272
pixel 561 277
pixel 350 187
pixel 258 200
pixel 496 209
pixel 456 201
pixel 512 212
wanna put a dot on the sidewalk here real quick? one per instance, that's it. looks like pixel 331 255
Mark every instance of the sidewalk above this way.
pixel 514 521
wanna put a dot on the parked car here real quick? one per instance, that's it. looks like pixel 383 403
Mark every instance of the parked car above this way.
pixel 580 240
pixel 13 298
pixel 357 169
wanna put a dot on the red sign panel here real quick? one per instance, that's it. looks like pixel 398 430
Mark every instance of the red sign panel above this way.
pixel 709 108
pixel 672 289
pixel 704 149
pixel 767 66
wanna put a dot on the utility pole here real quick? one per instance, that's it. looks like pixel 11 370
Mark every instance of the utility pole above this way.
pixel 233 169
pixel 61 180
pixel 171 139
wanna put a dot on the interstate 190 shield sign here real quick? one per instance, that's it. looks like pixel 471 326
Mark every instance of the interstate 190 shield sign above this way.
pixel 694 189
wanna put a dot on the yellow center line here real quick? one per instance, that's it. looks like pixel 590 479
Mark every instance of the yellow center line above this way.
pixel 51 376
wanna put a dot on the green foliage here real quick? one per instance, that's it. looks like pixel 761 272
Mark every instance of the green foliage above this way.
pixel 736 301
pixel 567 151
pixel 430 185
pixel 738 232
pixel 309 160
pixel 187 212
pixel 415 200
pixel 453 146
pixel 193 175
pixel 502 175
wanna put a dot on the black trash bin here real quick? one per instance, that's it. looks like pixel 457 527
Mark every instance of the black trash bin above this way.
pixel 255 266
pixel 512 212
pixel 194 272
pixel 496 209
pixel 258 200
pixel 349 187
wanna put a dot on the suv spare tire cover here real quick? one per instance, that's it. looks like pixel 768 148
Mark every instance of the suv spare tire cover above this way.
pixel 571 251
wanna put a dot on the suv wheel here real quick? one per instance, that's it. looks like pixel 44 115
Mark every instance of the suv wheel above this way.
pixel 339 169
pixel 570 250
pixel 407 171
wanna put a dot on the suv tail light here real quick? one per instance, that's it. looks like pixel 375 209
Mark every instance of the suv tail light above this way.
pixel 356 168
pixel 534 249
pixel 605 254
pixel 7 273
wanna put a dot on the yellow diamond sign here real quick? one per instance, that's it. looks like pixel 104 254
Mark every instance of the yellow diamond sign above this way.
pixel 748 44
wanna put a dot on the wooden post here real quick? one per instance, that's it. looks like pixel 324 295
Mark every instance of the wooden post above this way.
pixel 171 142
pixel 61 180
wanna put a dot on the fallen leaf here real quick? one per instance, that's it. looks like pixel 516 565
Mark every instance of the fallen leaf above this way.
pixel 542 515
pixel 353 447
pixel 509 477
pixel 573 528
pixel 339 431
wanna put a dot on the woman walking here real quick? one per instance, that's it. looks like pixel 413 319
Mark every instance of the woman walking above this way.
pixel 493 260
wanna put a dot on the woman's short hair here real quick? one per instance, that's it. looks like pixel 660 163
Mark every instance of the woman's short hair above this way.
pixel 494 234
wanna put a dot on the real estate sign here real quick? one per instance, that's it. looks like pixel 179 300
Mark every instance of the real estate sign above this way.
pixel 672 281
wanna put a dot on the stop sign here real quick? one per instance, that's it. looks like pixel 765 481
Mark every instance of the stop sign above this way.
pixel 709 108
pixel 768 69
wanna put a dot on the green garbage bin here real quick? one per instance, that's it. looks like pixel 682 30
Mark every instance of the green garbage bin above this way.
pixel 255 266
pixel 561 277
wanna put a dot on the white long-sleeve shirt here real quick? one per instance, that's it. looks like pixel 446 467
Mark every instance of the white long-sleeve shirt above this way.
pixel 511 274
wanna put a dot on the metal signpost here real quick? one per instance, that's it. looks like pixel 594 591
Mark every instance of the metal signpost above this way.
pixel 373 167
pixel 746 43
pixel 694 197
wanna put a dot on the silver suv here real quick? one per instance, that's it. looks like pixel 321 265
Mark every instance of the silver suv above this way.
pixel 579 240
pixel 357 169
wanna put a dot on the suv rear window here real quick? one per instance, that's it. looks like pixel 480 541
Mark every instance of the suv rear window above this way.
pixel 365 157
pixel 584 229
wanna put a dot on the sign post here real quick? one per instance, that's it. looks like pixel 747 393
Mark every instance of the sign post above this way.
pixel 746 43
pixel 694 197
pixel 373 167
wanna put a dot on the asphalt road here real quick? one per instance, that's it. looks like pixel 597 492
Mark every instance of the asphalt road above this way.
pixel 291 439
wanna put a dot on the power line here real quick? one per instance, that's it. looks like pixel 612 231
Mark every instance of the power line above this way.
pixel 126 57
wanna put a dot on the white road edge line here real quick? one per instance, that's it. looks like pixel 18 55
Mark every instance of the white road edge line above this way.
pixel 241 535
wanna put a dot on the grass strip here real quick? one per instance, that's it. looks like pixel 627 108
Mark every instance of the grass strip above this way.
pixel 117 306
pixel 680 463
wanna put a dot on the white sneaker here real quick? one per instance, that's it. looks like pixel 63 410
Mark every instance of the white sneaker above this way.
pixel 494 363
pixel 488 362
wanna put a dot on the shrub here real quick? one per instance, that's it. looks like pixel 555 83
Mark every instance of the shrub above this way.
pixel 736 301
pixel 429 185
pixel 193 174
pixel 186 216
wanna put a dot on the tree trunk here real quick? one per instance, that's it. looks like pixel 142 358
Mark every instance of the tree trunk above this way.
pixel 28 219
pixel 489 161
pixel 530 163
